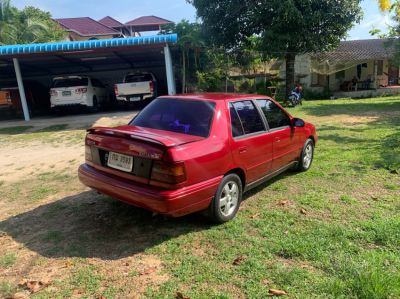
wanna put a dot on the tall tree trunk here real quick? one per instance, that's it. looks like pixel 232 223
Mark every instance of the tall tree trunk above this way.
pixel 290 59
pixel 183 71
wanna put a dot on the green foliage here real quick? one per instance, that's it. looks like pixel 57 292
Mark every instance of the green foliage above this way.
pixel 29 25
pixel 309 94
pixel 203 66
pixel 285 28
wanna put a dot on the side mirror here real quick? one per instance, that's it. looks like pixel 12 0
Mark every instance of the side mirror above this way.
pixel 298 122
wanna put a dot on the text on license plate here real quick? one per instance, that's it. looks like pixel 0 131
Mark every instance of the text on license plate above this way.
pixel 66 93
pixel 120 162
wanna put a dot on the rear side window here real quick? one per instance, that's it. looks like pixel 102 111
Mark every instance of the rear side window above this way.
pixel 70 82
pixel 138 78
pixel 275 116
pixel 236 124
pixel 249 117
pixel 180 116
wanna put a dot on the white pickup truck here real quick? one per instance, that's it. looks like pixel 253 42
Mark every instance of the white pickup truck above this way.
pixel 136 87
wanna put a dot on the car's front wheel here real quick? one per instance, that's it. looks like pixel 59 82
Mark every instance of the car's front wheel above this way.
pixel 307 156
pixel 227 199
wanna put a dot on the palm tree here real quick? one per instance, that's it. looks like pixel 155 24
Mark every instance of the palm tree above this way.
pixel 26 30
pixel 30 25
pixel 5 11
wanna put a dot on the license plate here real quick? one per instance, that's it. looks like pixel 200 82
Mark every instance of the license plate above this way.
pixel 120 162
pixel 66 93
pixel 134 99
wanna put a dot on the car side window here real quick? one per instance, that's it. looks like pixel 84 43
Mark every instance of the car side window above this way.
pixel 249 117
pixel 275 116
pixel 236 125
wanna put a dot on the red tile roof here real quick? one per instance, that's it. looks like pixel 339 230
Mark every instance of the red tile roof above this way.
pixel 148 21
pixel 86 26
pixel 111 22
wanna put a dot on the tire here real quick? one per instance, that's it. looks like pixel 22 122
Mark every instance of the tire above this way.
pixel 307 156
pixel 226 201
pixel 95 106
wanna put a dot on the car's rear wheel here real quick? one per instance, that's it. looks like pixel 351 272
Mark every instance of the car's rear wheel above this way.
pixel 95 106
pixel 307 156
pixel 227 199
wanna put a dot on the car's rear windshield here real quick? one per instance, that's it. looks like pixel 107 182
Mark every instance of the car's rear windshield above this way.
pixel 138 78
pixel 71 82
pixel 175 115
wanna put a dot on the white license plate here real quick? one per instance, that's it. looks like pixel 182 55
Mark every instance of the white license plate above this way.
pixel 120 162
pixel 66 93
pixel 134 99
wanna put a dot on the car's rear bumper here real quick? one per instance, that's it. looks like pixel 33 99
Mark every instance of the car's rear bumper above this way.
pixel 168 202
pixel 79 101
pixel 135 97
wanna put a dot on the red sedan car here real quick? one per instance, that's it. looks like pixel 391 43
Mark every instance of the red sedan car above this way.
pixel 188 153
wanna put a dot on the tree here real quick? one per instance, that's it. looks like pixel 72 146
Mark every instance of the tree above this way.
pixel 30 25
pixel 189 46
pixel 286 27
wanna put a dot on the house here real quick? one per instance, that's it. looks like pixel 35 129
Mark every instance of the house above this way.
pixel 115 24
pixel 86 28
pixel 357 68
pixel 146 23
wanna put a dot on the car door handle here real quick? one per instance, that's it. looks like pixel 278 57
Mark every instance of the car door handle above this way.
pixel 242 150
pixel 277 139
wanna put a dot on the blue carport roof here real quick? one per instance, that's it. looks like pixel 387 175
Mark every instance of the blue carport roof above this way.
pixel 16 50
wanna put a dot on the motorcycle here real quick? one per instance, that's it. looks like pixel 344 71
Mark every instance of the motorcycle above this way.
pixel 295 96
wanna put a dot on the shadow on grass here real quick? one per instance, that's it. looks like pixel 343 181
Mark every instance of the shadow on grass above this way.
pixel 92 225
pixel 390 153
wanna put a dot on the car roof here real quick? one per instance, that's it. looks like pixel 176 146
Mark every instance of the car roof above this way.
pixel 216 96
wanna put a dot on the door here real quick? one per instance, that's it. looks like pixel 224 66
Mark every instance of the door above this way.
pixel 393 75
pixel 251 145
pixel 285 141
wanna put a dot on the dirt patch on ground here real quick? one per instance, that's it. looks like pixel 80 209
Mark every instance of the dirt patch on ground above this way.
pixel 28 161
pixel 75 121
pixel 27 158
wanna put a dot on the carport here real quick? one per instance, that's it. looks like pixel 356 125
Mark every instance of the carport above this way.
pixel 110 58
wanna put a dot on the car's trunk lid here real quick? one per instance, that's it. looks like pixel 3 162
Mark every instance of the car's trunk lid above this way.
pixel 143 144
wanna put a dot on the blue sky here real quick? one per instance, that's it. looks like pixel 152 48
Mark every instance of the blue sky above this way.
pixel 174 10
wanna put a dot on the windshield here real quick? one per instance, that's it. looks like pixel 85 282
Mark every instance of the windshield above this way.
pixel 174 115
pixel 72 82
pixel 138 78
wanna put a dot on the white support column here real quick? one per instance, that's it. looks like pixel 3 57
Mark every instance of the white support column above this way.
pixel 170 71
pixel 21 89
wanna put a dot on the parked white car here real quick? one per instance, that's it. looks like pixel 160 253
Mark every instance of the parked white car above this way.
pixel 136 87
pixel 77 90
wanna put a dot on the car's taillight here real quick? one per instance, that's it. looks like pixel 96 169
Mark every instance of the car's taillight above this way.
pixel 81 90
pixel 53 92
pixel 116 89
pixel 88 153
pixel 151 84
pixel 168 173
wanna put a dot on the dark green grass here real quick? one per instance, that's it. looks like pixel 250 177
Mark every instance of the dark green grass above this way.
pixel 14 130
